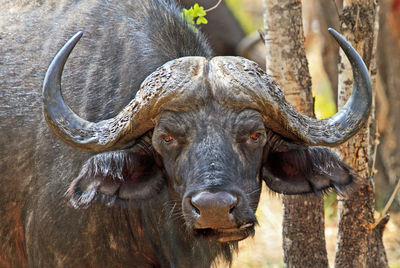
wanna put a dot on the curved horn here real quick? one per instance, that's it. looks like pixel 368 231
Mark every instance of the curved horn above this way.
pixel 352 117
pixel 164 85
pixel 250 87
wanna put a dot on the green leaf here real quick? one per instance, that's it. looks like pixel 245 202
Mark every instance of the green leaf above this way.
pixel 198 11
pixel 195 7
pixel 187 15
pixel 195 11
pixel 201 20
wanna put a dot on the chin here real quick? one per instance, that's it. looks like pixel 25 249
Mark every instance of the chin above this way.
pixel 224 235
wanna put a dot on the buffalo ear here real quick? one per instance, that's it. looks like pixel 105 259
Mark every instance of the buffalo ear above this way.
pixel 296 169
pixel 116 177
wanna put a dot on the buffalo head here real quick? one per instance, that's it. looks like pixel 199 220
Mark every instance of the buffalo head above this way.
pixel 207 131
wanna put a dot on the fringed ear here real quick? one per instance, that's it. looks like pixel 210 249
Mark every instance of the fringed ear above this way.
pixel 124 175
pixel 295 169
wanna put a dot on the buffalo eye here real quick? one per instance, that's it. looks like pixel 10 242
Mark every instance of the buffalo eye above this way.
pixel 166 138
pixel 257 136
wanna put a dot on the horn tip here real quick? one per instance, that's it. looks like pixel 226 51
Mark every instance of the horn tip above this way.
pixel 79 34
pixel 334 33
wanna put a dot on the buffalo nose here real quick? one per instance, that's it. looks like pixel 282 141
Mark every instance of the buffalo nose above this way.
pixel 214 210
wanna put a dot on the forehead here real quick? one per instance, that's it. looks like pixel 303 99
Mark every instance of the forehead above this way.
pixel 228 81
pixel 210 114
pixel 215 92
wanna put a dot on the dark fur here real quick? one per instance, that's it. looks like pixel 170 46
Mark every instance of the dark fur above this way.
pixel 144 224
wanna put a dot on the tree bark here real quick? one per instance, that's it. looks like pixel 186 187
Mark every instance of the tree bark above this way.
pixel 303 217
pixel 388 100
pixel 359 244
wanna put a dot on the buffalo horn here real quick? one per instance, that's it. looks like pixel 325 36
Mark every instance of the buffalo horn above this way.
pixel 351 118
pixel 250 87
pixel 163 85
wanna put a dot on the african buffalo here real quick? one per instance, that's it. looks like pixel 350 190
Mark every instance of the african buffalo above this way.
pixel 177 141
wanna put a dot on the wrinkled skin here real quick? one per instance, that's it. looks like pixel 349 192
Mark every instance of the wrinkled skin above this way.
pixel 138 205
pixel 201 152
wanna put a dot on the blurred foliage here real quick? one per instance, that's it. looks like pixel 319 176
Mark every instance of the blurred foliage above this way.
pixel 330 205
pixel 324 104
pixel 252 19
pixel 394 265
pixel 247 20
pixel 265 248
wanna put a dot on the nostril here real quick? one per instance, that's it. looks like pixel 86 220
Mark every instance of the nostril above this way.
pixel 213 209
pixel 213 203
pixel 194 207
pixel 234 201
pixel 231 210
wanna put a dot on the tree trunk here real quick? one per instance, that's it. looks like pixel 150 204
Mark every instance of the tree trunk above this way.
pixel 388 100
pixel 303 217
pixel 358 245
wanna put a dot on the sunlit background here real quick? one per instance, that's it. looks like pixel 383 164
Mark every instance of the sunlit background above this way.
pixel 265 249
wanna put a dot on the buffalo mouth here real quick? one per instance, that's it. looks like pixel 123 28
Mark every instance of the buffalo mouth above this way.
pixel 227 234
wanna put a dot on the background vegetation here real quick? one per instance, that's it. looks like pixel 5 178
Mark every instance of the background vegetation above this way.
pixel 265 249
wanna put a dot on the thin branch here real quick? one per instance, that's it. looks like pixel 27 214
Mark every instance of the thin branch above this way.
pixel 336 7
pixel 356 24
pixel 373 171
pixel 388 204
pixel 214 7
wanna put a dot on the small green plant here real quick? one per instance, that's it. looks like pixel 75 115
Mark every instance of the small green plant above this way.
pixel 194 12
pixel 197 13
